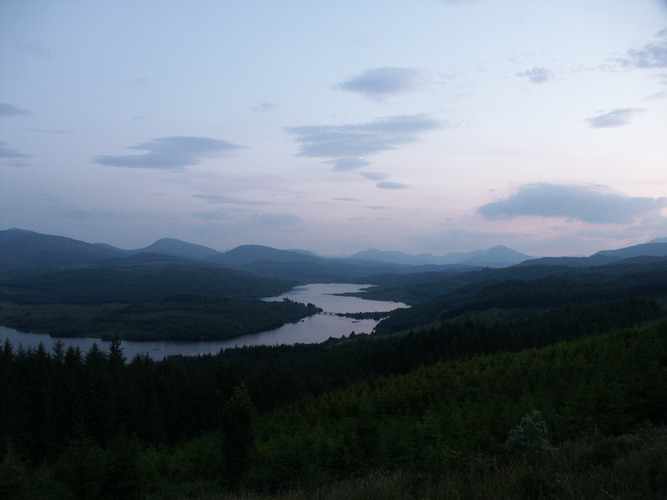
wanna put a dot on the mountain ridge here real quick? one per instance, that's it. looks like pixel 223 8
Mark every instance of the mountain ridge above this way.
pixel 25 251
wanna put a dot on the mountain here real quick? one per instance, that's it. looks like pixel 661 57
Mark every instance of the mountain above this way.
pixel 655 248
pixel 375 255
pixel 22 250
pixel 498 256
pixel 178 248
pixel 246 254
pixel 647 249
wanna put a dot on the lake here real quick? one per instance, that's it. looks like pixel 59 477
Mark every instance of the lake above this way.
pixel 310 330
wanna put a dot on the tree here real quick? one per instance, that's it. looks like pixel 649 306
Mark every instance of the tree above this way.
pixel 238 433
pixel 530 436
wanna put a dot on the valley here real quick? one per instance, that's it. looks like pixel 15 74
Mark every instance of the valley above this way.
pixel 459 359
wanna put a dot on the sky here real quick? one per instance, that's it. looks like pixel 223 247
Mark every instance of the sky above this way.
pixel 431 126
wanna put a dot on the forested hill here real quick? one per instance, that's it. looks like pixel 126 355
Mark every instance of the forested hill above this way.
pixel 438 296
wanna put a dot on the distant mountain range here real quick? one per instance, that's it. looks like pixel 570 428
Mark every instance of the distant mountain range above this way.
pixel 498 256
pixel 26 251
pixel 654 248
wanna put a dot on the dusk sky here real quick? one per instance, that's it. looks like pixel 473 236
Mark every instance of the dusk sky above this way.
pixel 429 126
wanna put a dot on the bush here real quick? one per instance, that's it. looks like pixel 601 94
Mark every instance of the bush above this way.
pixel 530 436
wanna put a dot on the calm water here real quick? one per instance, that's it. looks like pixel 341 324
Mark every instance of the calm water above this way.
pixel 313 329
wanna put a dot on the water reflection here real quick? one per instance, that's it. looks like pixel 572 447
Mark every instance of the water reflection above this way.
pixel 313 329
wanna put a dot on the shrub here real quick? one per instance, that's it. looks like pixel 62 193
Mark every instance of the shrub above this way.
pixel 530 436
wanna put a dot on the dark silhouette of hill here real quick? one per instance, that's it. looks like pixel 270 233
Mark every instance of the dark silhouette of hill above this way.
pixel 178 248
pixel 498 256
pixel 29 252
pixel 25 251
pixel 447 295
pixel 647 249
pixel 246 254
pixel 656 248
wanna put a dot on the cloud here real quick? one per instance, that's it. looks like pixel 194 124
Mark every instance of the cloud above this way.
pixel 11 157
pixel 346 199
pixel 584 203
pixel 650 55
pixel 360 139
pixel 616 118
pixel 264 107
pixel 11 110
pixel 347 164
pixel 9 153
pixel 374 176
pixel 391 185
pixel 228 200
pixel 538 75
pixel 170 153
pixel 382 82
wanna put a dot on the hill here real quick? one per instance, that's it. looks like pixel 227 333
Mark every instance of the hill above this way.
pixel 246 254
pixel 498 256
pixel 655 248
pixel 178 248
pixel 25 251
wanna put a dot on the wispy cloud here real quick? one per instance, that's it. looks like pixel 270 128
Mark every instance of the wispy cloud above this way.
pixel 347 145
pixel 650 55
pixel 538 75
pixel 228 200
pixel 11 157
pixel 170 153
pixel 380 83
pixel 264 107
pixel 360 139
pixel 11 110
pixel 584 203
pixel 374 176
pixel 616 118
pixel 391 185
pixel 347 164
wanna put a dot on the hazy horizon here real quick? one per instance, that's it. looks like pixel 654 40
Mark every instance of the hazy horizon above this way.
pixel 437 127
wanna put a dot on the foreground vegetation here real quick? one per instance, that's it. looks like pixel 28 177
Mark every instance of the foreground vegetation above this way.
pixel 628 466
pixel 78 425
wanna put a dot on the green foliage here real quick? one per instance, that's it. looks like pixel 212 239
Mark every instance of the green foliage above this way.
pixel 238 433
pixel 14 476
pixel 473 404
pixel 530 436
